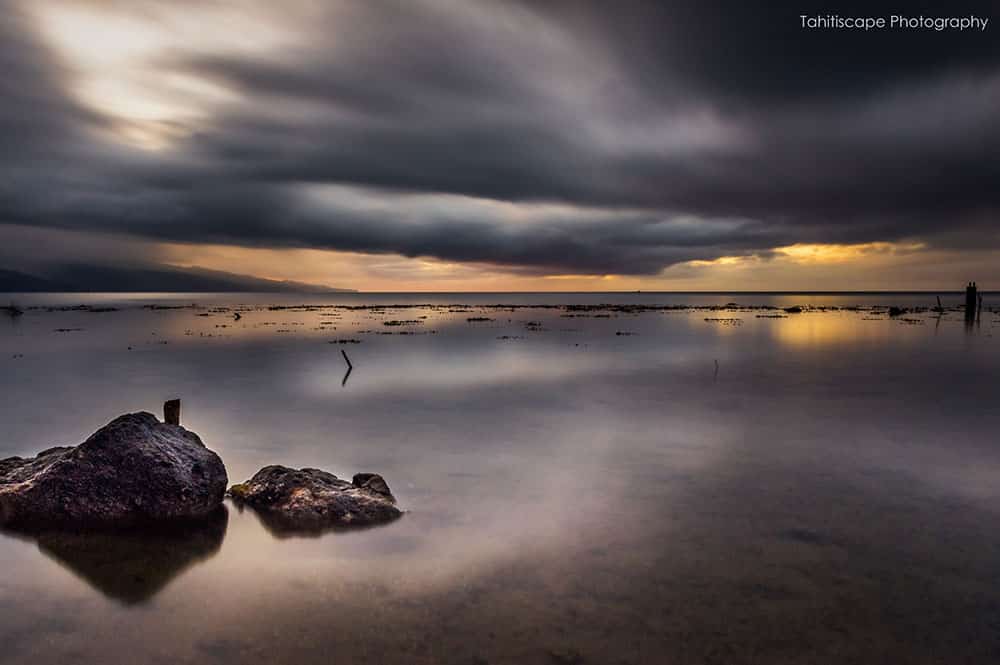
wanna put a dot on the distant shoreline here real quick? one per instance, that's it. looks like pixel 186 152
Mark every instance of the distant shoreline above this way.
pixel 342 292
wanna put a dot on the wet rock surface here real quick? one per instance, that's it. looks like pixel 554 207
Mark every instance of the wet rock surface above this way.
pixel 304 500
pixel 132 471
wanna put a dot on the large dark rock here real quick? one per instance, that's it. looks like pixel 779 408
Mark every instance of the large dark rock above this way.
pixel 293 500
pixel 131 471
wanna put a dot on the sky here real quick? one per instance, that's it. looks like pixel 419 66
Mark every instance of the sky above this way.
pixel 454 145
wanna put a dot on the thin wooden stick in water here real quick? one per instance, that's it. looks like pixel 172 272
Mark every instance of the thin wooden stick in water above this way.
pixel 350 368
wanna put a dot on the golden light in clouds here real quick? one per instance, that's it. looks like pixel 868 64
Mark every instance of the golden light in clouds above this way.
pixel 872 266
pixel 816 253
pixel 367 272
pixel 803 267
pixel 721 261
pixel 374 272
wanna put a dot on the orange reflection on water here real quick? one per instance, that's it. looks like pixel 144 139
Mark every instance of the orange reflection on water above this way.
pixel 812 329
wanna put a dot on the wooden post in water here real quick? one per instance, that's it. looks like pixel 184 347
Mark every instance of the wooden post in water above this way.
pixel 172 412
pixel 971 302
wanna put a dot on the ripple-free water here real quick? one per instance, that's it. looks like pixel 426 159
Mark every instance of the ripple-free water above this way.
pixel 582 485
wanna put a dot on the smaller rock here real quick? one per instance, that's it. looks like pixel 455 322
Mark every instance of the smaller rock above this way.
pixel 290 500
pixel 374 483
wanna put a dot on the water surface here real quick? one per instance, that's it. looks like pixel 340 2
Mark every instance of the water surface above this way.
pixel 665 479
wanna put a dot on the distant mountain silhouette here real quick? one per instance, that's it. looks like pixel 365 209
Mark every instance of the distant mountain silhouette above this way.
pixel 11 281
pixel 89 278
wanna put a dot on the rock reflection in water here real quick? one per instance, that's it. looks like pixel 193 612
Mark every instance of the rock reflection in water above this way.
pixel 281 527
pixel 134 565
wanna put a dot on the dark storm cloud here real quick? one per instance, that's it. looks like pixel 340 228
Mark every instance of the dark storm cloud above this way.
pixel 740 51
pixel 622 137
pixel 34 109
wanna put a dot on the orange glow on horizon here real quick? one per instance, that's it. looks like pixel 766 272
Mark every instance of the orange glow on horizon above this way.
pixel 869 266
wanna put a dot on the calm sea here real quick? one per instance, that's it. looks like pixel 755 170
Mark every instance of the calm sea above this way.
pixel 588 478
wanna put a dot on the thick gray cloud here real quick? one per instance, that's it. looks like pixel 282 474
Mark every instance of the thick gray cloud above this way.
pixel 584 137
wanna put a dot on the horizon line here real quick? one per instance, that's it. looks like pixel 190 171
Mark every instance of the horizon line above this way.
pixel 351 292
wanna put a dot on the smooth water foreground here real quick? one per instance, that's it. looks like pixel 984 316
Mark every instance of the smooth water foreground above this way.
pixel 583 485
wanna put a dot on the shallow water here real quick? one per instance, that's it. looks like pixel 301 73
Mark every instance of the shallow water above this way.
pixel 582 485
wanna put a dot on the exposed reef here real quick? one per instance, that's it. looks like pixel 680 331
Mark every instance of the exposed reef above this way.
pixel 310 500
